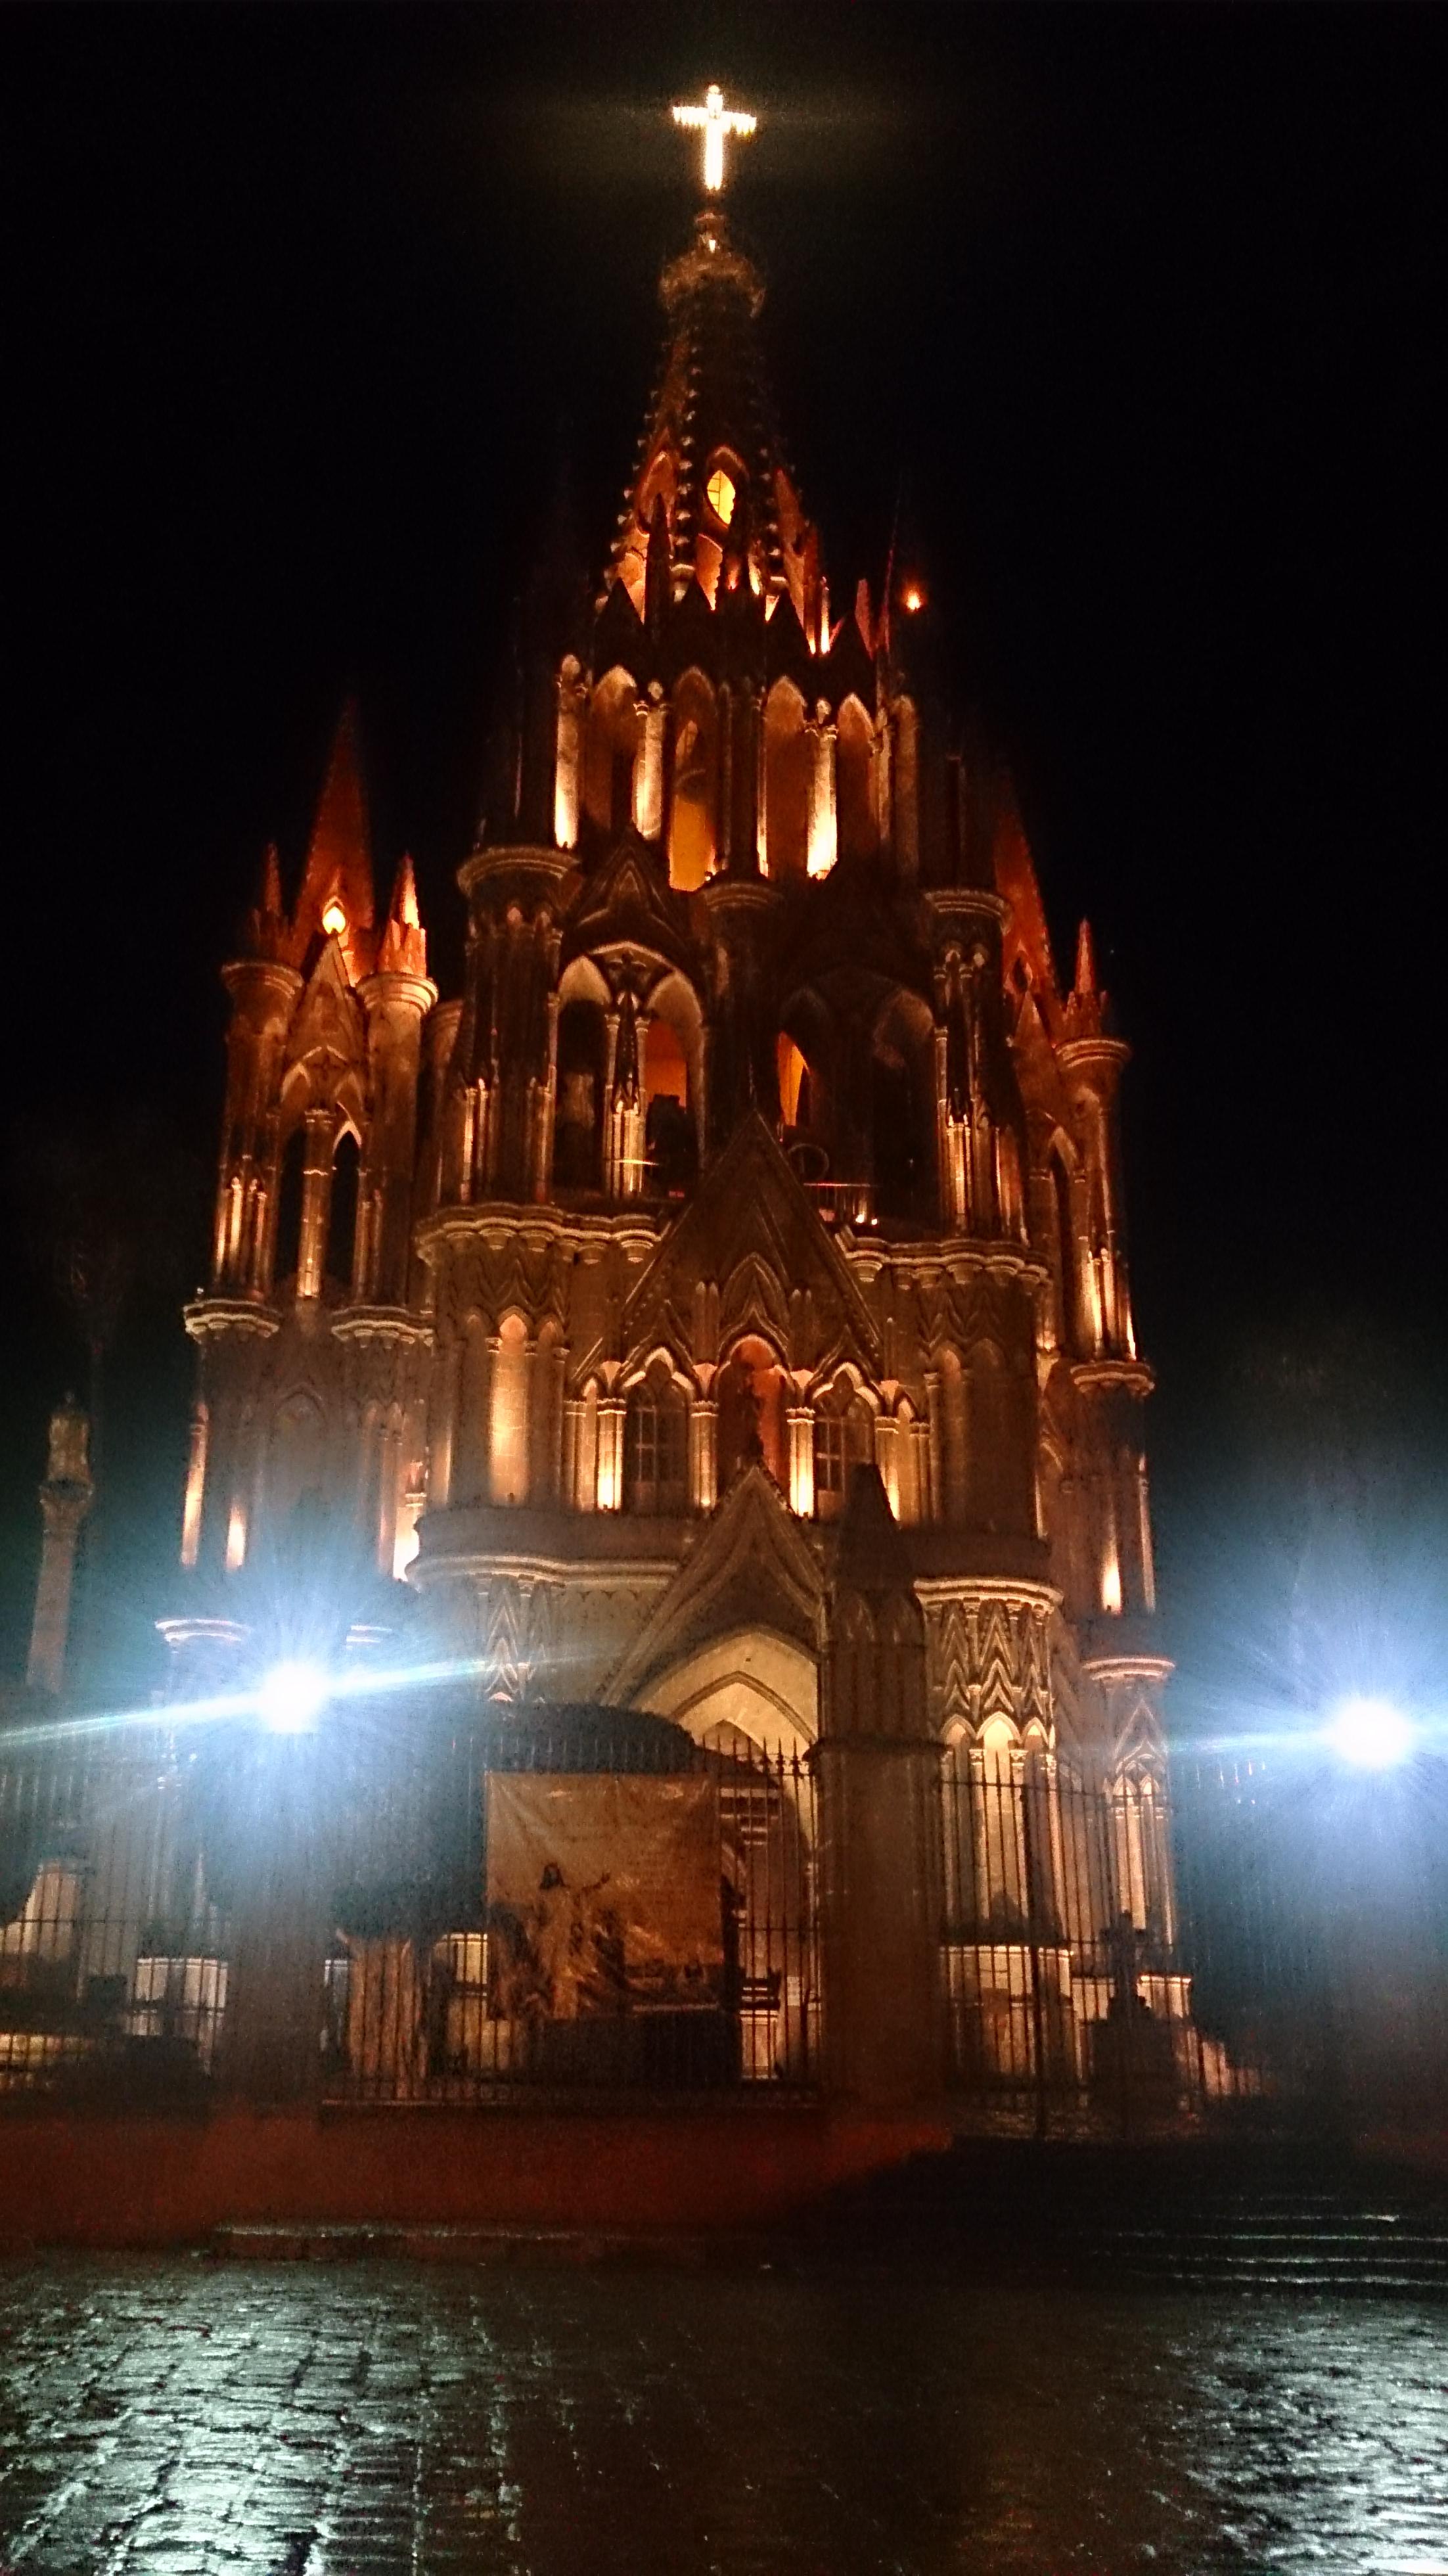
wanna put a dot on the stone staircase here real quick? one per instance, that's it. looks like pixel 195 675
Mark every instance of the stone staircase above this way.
pixel 1173 2218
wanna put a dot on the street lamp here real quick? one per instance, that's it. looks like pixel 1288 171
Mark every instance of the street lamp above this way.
pixel 1370 1733
pixel 290 1698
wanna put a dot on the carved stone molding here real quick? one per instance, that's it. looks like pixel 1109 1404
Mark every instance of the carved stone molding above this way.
pixel 988 1652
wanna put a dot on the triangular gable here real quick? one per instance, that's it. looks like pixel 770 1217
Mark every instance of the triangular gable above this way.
pixel 692 631
pixel 849 669
pixel 619 642
pixel 328 1024
pixel 625 903
pixel 753 1568
pixel 751 1235
pixel 786 653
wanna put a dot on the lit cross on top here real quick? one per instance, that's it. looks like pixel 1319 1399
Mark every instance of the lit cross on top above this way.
pixel 717 120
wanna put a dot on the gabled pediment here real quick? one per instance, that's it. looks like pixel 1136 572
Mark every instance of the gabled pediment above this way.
pixel 625 903
pixel 618 637
pixel 849 669
pixel 328 1024
pixel 692 630
pixel 750 1248
pixel 786 651
pixel 753 1568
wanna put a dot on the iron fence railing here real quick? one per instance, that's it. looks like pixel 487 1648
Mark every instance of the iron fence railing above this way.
pixel 400 1908
pixel 1218 1938
pixel 388 1911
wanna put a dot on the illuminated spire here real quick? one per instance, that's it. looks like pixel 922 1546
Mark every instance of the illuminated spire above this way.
pixel 1085 960
pixel 402 949
pixel 403 906
pixel 337 895
pixel 711 450
pixel 716 122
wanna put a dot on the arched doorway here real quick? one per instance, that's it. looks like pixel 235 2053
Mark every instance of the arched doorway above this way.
pixel 751 1699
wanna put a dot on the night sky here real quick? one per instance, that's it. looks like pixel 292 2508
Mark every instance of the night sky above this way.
pixel 1132 321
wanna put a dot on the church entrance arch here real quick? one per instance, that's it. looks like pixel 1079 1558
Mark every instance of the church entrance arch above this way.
pixel 751 1698
pixel 753 1690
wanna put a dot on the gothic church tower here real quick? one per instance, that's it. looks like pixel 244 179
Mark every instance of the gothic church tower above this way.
pixel 763 1141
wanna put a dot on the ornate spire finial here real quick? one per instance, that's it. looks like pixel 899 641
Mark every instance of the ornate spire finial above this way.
pixel 336 888
pixel 403 906
pixel 716 120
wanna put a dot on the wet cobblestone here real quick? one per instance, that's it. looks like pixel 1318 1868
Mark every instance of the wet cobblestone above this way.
pixel 174 2417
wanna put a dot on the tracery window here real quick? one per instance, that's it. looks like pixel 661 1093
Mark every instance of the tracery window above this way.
pixel 656 1449
pixel 844 1437
pixel 829 1464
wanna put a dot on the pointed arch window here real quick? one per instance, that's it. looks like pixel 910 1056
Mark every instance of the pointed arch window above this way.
pixel 844 1438
pixel 509 1425
pixel 656 1446
pixel 721 492
pixel 288 1239
pixel 855 781
pixel 578 1118
pixel 788 767
pixel 342 1209
pixel 691 819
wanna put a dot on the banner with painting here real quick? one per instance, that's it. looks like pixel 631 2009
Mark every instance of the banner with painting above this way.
pixel 604 1894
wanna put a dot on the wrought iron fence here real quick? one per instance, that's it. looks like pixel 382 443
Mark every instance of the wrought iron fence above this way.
pixel 1233 1940
pixel 110 1953
pixel 389 1910
pixel 453 1907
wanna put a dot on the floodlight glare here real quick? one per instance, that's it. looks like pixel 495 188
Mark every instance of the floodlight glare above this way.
pixel 290 1698
pixel 1370 1733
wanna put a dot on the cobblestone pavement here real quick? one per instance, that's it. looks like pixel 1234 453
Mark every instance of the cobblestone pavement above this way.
pixel 176 2417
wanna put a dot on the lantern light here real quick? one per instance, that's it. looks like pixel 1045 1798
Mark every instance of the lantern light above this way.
pixel 291 1698
pixel 1370 1733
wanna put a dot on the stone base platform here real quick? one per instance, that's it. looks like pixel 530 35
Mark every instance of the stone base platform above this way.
pixel 89 2178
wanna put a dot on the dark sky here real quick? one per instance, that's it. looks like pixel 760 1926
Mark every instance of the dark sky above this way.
pixel 1136 315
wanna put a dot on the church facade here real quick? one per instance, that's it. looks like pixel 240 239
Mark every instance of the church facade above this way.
pixel 764 1144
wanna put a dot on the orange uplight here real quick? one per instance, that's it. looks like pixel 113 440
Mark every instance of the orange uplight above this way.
pixel 912 599
pixel 334 919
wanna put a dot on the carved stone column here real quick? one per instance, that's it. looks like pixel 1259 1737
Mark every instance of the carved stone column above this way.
pixel 571 696
pixel 824 840
pixel 611 1411
pixel 395 1005
pixel 933 1504
pixel 281 1875
pixel 800 1421
pixel 65 1499
pixel 704 1453
pixel 319 1128
pixel 648 789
